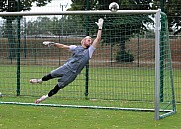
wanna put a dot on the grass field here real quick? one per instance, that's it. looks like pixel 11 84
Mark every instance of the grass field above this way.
pixel 41 117
pixel 36 117
pixel 118 84
pixel 105 84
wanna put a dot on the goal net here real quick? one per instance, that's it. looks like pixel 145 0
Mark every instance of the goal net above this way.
pixel 130 70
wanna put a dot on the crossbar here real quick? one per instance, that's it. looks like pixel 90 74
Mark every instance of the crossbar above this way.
pixel 78 12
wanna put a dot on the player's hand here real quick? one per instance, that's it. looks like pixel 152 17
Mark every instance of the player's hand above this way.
pixel 48 43
pixel 100 23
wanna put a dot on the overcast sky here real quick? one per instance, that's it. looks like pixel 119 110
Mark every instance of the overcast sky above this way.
pixel 53 6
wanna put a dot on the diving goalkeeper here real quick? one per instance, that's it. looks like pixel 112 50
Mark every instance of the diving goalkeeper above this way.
pixel 69 71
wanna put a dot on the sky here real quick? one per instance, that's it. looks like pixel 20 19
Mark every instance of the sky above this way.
pixel 50 7
pixel 55 5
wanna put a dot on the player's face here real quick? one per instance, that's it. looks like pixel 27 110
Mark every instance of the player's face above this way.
pixel 87 42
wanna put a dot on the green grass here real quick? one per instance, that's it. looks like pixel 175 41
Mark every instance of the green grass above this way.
pixel 107 87
pixel 36 117
pixel 105 84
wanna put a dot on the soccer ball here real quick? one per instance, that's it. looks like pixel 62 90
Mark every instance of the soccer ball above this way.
pixel 113 7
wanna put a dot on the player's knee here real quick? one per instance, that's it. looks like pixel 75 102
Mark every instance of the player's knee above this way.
pixel 61 85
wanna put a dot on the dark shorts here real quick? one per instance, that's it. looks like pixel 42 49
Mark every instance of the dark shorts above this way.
pixel 65 76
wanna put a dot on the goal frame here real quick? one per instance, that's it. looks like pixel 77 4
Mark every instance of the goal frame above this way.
pixel 157 51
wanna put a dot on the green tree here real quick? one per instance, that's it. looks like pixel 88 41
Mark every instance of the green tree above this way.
pixel 65 25
pixel 172 8
pixel 122 22
pixel 16 6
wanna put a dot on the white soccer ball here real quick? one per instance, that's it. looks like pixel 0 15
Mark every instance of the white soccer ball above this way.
pixel 113 7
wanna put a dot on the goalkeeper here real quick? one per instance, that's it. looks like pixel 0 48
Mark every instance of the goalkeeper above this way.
pixel 69 71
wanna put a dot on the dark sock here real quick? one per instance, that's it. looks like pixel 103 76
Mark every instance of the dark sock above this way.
pixel 47 77
pixel 54 90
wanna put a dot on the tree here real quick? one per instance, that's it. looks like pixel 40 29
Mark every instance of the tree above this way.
pixel 129 29
pixel 173 11
pixel 16 6
pixel 56 26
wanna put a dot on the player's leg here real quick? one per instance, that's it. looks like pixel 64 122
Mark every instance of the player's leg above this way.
pixel 54 74
pixel 45 78
pixel 62 82
pixel 51 93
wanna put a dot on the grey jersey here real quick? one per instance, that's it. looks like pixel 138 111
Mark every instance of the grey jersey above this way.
pixel 79 58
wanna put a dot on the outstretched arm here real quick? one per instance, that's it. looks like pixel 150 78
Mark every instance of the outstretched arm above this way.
pixel 99 33
pixel 58 45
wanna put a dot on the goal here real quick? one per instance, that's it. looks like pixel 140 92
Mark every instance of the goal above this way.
pixel 130 70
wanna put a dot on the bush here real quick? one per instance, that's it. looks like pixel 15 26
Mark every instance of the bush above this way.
pixel 124 57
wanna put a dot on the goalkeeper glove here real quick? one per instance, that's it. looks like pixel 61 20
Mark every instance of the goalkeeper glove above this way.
pixel 48 43
pixel 100 23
